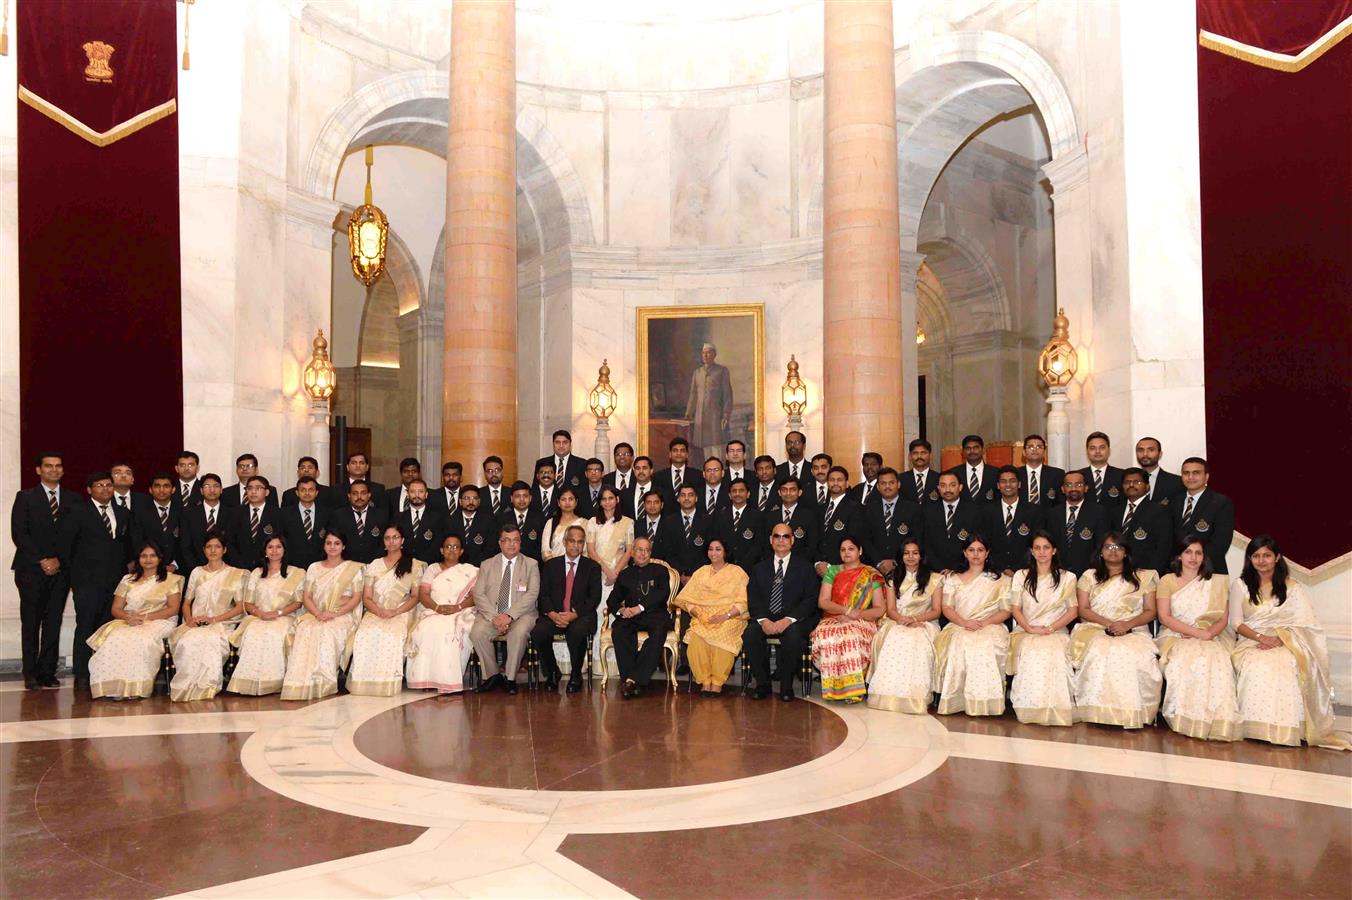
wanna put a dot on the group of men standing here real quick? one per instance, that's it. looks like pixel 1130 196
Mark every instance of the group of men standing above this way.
pixel 797 510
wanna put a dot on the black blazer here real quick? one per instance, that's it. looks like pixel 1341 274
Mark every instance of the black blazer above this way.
pixel 364 546
pixel 377 496
pixel 437 499
pixel 425 543
pixel 390 501
pixel 748 475
pixel 585 507
pixel 722 501
pixel 612 478
pixel 1213 517
pixel 1009 546
pixel 230 497
pixel 536 500
pixel 97 559
pixel 1076 553
pixel 194 494
pixel 145 526
pixel 1149 534
pixel 692 552
pixel 1110 497
pixel 327 498
pixel 192 532
pixel 504 498
pixel 806 529
pixel 943 542
pixel 531 532
pixel 809 497
pixel 930 494
pixel 480 540
pixel 586 587
pixel 242 551
pixel 37 536
pixel 662 481
pixel 987 493
pixel 856 493
pixel 804 472
pixel 885 543
pixel 801 586
pixel 1048 484
pixel 301 552
pixel 669 540
pixel 771 503
pixel 846 520
pixel 746 542
pixel 629 506
pixel 574 474
pixel 1166 485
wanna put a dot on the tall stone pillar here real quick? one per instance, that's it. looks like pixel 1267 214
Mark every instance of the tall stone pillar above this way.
pixel 479 364
pixel 1068 176
pixel 862 391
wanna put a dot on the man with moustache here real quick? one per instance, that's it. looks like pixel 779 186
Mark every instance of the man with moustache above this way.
pixel 920 484
pixel 422 528
pixel 303 524
pixel 1077 523
pixel 1011 524
pixel 1143 523
pixel 948 523
pixel 888 521
pixel 1162 485
pixel 1039 483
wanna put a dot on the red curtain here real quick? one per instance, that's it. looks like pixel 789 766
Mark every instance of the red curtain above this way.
pixel 101 370
pixel 1276 182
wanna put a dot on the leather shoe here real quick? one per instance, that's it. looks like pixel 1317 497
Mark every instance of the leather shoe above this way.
pixel 491 685
pixel 511 686
pixel 551 684
pixel 82 681
pixel 639 690
pixel 761 692
pixel 574 684
pixel 787 695
pixel 628 688
pixel 32 684
pixel 50 682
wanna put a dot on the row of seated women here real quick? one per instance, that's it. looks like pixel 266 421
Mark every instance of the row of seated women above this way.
pixel 1246 660
pixel 374 621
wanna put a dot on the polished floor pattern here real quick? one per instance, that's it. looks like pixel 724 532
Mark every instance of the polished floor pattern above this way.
pixel 666 796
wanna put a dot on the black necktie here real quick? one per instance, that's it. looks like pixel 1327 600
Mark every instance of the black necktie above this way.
pixel 309 524
pixel 887 515
pixel 948 521
pixel 417 517
pixel 253 524
pixel 1131 511
pixel 777 592
pixel 211 518
pixel 736 516
pixel 187 492
pixel 108 523
pixel 55 505
pixel 164 516
pixel 1032 487
pixel 687 527
pixel 1071 513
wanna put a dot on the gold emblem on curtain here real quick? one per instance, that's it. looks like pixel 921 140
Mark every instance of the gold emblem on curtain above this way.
pixel 99 54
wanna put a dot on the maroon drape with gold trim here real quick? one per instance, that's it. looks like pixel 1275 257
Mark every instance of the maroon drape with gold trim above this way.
pixel 101 370
pixel 1276 179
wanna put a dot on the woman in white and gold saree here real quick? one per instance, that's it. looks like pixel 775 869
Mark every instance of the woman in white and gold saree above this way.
pixel 389 593
pixel 1195 643
pixel 1281 655
pixel 201 645
pixel 1043 602
pixel 556 528
pixel 439 648
pixel 1117 678
pixel 272 595
pixel 969 654
pixel 609 537
pixel 128 650
pixel 901 676
pixel 323 640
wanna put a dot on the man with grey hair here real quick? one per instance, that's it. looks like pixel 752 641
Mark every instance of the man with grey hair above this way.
pixel 710 404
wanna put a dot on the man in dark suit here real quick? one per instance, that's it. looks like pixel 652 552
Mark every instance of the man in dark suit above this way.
pixel 1103 482
pixel 445 499
pixel 187 486
pixel 207 516
pixel 623 476
pixel 1039 483
pixel 360 523
pixel 495 496
pixel 1143 524
pixel 303 524
pixel 817 490
pixel 252 526
pixel 1162 485
pixel 637 487
pixel 528 520
pixel 948 524
pixel 1201 511
pixel 545 494
pixel 638 603
pixel 423 528
pixel 920 483
pixel 308 467
pixel 870 464
pixel 159 523
pixel 1077 523
pixel 888 522
pixel 734 463
pixel 739 526
pixel 677 474
pixel 124 480
pixel 569 470
pixel 570 592
pixel 396 498
pixel 841 518
pixel 713 495
pixel 358 466
pixel 476 528
pixel 1010 524
pixel 235 495
pixel 662 530
pixel 796 466
pixel 98 541
pixel 692 533
pixel 765 489
pixel 41 568
pixel 589 492
pixel 976 477
pixel 781 599
pixel 800 517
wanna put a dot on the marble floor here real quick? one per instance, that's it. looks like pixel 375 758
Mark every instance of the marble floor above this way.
pixel 668 795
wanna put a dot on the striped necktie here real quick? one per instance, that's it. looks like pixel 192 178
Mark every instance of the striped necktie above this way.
pixel 948 520
pixel 309 524
pixel 888 509
pixel 211 518
pixel 1131 511
pixel 253 524
pixel 1009 519
pixel 108 522
pixel 505 588
pixel 1071 513
pixel 54 504
pixel 777 592
pixel 1187 509
pixel 972 484
pixel 1098 485
pixel 187 492
pixel 1032 487
pixel 164 516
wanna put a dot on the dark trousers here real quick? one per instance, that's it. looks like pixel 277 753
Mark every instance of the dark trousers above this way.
pixel 42 603
pixel 791 642
pixel 634 662
pixel 93 607
pixel 576 635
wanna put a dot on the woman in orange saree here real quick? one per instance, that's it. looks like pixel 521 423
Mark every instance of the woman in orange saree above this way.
pixel 851 604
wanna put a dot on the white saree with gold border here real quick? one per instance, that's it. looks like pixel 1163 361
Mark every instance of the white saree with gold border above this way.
pixel 1117 679
pixel 127 657
pixel 901 674
pixel 320 649
pixel 969 666
pixel 439 647
pixel 1041 692
pixel 1199 681
pixel 200 651
pixel 380 645
pixel 264 643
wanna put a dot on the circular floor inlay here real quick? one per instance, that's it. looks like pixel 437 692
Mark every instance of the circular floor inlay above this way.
pixel 594 741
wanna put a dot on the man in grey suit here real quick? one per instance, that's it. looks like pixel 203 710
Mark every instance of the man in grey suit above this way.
pixel 504 603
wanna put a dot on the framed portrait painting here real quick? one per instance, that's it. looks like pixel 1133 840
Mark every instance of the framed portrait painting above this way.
pixel 700 377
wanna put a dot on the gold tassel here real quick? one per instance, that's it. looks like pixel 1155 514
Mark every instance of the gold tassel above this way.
pixel 187 60
pixel 4 30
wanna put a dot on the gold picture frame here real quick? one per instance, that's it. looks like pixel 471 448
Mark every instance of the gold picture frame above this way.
pixel 731 323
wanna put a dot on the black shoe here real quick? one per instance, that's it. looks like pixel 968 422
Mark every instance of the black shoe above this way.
pixel 511 686
pixel 552 685
pixel 683 669
pixel 628 688
pixel 787 695
pixel 50 682
pixel 574 684
pixel 704 692
pixel 761 692
pixel 639 690
pixel 491 685
pixel 82 681
pixel 32 684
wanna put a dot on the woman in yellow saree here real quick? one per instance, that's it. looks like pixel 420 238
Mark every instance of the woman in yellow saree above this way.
pixel 1042 601
pixel 128 650
pixel 901 676
pixel 715 597
pixel 201 645
pixel 1195 644
pixel 1281 656
pixel 271 598
pixel 323 640
pixel 389 593
pixel 1117 678
pixel 851 601
pixel 969 654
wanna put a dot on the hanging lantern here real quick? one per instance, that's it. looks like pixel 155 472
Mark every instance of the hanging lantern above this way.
pixel 1059 361
pixel 319 379
pixel 793 395
pixel 367 232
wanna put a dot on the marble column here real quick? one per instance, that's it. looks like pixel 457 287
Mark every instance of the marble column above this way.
pixel 480 344
pixel 862 321
pixel 1068 176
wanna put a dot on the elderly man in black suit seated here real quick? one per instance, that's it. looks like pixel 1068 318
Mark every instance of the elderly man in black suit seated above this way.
pixel 570 592
pixel 782 601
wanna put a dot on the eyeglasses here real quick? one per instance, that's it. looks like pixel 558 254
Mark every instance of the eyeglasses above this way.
pixel 1107 547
